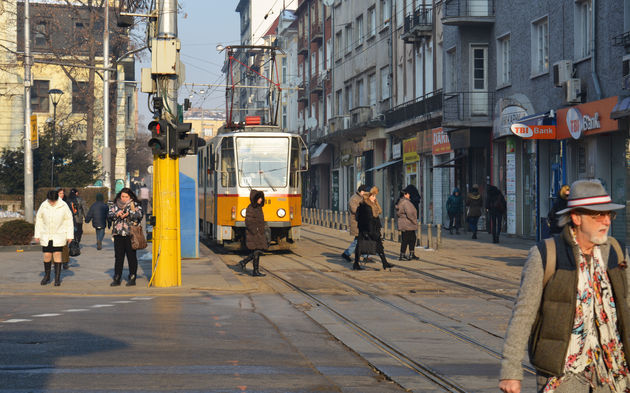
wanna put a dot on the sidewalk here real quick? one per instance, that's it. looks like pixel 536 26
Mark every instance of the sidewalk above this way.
pixel 91 272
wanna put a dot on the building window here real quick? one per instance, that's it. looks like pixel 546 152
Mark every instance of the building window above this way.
pixel 320 59
pixel 503 60
pixel 41 35
pixel 385 13
pixel 372 89
pixel 284 117
pixel 451 70
pixel 79 93
pixel 583 28
pixel 328 54
pixel 338 45
pixel 39 96
pixel 360 93
pixel 313 68
pixel 284 70
pixel 540 46
pixel 384 84
pixel 371 20
pixel 400 13
pixel 348 38
pixel 359 30
pixel 349 98
pixel 339 101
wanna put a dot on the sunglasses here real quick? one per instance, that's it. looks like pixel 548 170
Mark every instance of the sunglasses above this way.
pixel 597 216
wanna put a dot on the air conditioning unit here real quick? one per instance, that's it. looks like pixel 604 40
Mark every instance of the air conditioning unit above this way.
pixel 573 91
pixel 346 122
pixel 625 72
pixel 562 72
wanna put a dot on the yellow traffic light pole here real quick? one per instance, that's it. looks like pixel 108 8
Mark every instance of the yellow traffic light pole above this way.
pixel 166 263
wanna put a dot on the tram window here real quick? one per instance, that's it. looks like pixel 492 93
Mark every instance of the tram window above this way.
pixel 262 161
pixel 228 169
pixel 209 165
pixel 295 163
pixel 201 165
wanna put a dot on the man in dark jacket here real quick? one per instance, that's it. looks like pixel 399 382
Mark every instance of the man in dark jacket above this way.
pixel 560 204
pixel 572 306
pixel 474 204
pixel 78 207
pixel 255 237
pixel 454 210
pixel 98 215
pixel 496 206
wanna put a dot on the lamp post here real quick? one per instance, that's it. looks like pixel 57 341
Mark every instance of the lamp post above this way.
pixel 55 96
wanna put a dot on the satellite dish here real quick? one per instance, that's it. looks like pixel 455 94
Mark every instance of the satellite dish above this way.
pixel 328 3
pixel 311 122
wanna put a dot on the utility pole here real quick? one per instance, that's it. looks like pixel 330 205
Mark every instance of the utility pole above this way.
pixel 28 151
pixel 107 155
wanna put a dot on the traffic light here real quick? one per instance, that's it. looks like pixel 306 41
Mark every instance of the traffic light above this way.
pixel 159 131
pixel 180 142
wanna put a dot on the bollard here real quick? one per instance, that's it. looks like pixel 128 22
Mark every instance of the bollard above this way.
pixel 438 242
pixel 392 230
pixel 346 220
pixel 419 239
pixel 328 219
pixel 337 219
pixel 429 236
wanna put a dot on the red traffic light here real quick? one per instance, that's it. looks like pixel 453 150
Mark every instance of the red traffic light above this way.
pixel 158 129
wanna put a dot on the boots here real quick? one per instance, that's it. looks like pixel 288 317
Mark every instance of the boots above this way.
pixel 256 272
pixel 402 257
pixel 413 256
pixel 243 262
pixel 474 236
pixel 386 265
pixel 116 281
pixel 450 230
pixel 65 266
pixel 57 274
pixel 131 281
pixel 356 266
pixel 46 278
pixel 99 244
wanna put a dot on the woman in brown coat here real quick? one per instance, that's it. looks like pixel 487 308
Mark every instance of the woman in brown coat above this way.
pixel 369 240
pixel 255 238
pixel 407 223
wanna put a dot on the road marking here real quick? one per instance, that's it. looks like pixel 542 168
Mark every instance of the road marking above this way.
pixel 123 301
pixel 75 310
pixel 16 320
pixel 102 305
pixel 46 315
pixel 141 298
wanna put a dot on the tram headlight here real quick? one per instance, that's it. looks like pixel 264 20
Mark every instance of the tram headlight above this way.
pixel 243 211
pixel 281 213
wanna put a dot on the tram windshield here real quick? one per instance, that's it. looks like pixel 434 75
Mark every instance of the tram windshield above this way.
pixel 262 161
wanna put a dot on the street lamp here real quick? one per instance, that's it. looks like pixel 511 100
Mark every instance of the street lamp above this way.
pixel 55 96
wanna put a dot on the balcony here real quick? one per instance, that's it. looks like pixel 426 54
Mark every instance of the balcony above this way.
pixel 360 115
pixel 468 12
pixel 339 123
pixel 421 106
pixel 303 46
pixel 302 93
pixel 317 32
pixel 418 25
pixel 467 109
pixel 622 39
pixel 316 84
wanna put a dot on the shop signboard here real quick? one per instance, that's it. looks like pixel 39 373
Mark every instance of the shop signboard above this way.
pixel 410 150
pixel 587 119
pixel 525 131
pixel 509 115
pixel 441 143
pixel 396 151
pixel 510 184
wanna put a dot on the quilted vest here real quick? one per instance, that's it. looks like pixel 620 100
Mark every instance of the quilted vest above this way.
pixel 551 332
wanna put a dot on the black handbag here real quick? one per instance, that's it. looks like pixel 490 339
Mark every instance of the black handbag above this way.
pixel 74 249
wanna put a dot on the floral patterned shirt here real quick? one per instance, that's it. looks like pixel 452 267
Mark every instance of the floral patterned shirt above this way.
pixel 595 352
pixel 120 226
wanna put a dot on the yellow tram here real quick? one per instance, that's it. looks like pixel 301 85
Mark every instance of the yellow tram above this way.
pixel 238 160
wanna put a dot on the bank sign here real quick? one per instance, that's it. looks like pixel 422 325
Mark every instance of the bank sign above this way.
pixel 533 132
pixel 587 119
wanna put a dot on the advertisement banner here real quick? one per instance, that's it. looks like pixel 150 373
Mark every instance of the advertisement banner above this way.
pixel 533 132
pixel 410 150
pixel 441 143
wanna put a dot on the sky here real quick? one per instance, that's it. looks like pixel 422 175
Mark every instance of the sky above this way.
pixel 201 25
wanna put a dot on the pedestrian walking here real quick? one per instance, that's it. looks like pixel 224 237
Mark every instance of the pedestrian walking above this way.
pixel 78 208
pixel 559 204
pixel 98 215
pixel 414 196
pixel 53 230
pixel 474 208
pixel 353 204
pixel 123 213
pixel 65 252
pixel 454 210
pixel 407 224
pixel 369 225
pixel 573 304
pixel 144 198
pixel 496 206
pixel 256 239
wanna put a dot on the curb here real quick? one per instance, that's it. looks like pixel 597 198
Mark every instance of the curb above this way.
pixel 21 248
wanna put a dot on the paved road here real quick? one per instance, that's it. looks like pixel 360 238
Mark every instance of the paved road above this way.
pixel 224 331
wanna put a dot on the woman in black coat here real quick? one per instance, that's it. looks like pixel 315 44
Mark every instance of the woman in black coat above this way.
pixel 255 238
pixel 369 240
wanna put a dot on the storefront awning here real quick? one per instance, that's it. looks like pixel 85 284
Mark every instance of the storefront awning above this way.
pixel 537 119
pixel 384 165
pixel 321 155
pixel 319 150
pixel 621 109
pixel 448 163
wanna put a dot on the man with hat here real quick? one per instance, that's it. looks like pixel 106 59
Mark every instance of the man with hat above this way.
pixel 572 306
pixel 353 204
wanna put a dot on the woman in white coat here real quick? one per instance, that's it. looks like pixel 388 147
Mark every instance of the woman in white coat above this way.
pixel 54 228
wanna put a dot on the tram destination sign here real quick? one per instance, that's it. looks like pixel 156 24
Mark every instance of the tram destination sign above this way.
pixel 533 132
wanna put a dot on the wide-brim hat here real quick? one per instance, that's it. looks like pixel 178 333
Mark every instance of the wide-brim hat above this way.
pixel 589 195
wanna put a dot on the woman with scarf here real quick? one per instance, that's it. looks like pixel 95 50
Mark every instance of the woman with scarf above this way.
pixel 255 237
pixel 123 213
pixel 369 240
